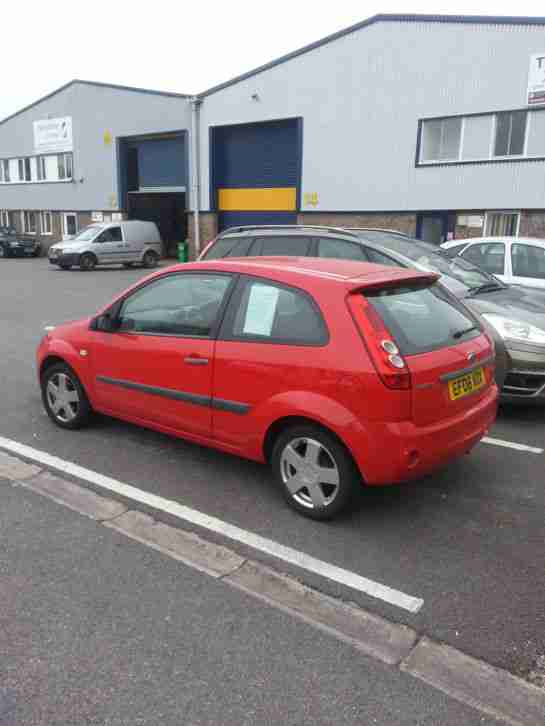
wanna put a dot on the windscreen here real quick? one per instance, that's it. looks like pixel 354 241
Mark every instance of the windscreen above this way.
pixel 422 319
pixel 428 255
pixel 87 234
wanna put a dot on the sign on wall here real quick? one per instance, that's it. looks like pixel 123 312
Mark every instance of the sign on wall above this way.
pixel 53 134
pixel 536 80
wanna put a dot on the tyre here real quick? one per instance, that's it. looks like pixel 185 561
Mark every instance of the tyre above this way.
pixel 65 267
pixel 316 473
pixel 150 259
pixel 64 398
pixel 87 262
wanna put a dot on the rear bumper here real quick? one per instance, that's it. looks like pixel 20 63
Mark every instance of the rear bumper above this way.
pixel 411 451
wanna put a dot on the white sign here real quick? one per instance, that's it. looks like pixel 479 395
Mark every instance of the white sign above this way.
pixel 97 216
pixel 536 80
pixel 53 134
pixel 261 310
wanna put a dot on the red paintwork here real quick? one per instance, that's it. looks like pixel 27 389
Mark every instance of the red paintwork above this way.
pixel 393 435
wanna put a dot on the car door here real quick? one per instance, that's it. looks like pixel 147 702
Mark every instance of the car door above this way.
pixel 490 256
pixel 528 264
pixel 109 246
pixel 157 365
pixel 271 341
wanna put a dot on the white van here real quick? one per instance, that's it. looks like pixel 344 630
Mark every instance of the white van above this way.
pixel 107 243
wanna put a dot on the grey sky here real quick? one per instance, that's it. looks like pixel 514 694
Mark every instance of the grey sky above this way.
pixel 178 46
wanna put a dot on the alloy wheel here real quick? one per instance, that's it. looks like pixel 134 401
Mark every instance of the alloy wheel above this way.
pixel 63 397
pixel 310 473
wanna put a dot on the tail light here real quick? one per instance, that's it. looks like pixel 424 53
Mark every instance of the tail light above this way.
pixel 387 359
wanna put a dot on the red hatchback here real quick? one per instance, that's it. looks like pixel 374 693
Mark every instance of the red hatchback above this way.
pixel 336 372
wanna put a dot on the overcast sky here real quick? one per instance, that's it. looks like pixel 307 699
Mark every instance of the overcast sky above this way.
pixel 184 46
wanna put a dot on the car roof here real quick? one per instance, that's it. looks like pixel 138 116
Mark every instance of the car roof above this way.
pixel 499 238
pixel 305 271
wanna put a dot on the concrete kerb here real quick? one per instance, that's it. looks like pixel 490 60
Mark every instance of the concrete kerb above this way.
pixel 491 690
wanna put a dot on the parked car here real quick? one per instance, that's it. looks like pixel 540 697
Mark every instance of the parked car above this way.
pixel 315 366
pixel 320 241
pixel 108 243
pixel 515 260
pixel 13 244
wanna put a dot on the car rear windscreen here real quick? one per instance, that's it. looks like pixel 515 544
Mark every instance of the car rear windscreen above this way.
pixel 422 319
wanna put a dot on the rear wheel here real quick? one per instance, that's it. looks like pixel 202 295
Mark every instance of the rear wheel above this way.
pixel 316 473
pixel 87 262
pixel 64 398
pixel 150 259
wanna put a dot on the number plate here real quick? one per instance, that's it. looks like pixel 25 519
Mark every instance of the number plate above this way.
pixel 465 385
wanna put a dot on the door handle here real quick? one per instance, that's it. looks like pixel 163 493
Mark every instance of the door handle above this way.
pixel 195 361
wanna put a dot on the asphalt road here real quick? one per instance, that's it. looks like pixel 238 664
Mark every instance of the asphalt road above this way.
pixel 97 629
pixel 468 540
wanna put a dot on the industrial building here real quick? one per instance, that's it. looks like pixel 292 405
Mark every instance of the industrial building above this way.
pixel 434 125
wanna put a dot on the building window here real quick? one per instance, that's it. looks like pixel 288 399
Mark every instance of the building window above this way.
pixel 24 169
pixel 4 218
pixel 45 222
pixel 28 220
pixel 510 133
pixel 40 163
pixel 502 224
pixel 5 164
pixel 1 171
pixel 441 139
pixel 64 163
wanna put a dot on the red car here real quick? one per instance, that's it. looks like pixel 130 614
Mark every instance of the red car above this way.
pixel 335 372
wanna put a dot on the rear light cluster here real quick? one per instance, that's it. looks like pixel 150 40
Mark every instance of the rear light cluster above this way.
pixel 385 354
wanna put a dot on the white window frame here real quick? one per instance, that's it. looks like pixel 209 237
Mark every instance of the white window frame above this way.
pixel 41 169
pixel 43 216
pixel 493 144
pixel 65 155
pixel 4 218
pixel 441 161
pixel 495 212
pixel 24 227
pixel 65 223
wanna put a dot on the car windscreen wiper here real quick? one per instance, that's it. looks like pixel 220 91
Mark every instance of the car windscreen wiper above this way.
pixel 459 333
pixel 487 287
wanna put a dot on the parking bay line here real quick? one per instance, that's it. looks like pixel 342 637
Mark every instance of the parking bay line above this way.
pixel 262 544
pixel 512 445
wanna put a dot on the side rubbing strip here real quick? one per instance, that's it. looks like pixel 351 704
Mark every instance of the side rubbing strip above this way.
pixel 221 404
pixel 217 403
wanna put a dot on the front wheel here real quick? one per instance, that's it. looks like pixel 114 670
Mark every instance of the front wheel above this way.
pixel 316 473
pixel 87 262
pixel 64 398
pixel 150 259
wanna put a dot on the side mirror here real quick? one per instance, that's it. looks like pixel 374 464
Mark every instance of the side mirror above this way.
pixel 106 323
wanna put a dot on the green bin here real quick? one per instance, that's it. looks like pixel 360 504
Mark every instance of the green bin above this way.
pixel 182 251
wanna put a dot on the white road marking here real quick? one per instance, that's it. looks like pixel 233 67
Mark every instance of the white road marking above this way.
pixel 270 547
pixel 512 445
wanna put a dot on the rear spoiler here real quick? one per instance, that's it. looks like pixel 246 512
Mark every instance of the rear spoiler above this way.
pixel 390 277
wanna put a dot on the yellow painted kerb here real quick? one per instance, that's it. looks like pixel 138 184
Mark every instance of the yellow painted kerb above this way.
pixel 257 200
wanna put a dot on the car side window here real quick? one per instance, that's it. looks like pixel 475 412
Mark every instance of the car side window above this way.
pixel 455 250
pixel 528 261
pixel 185 304
pixel 290 245
pixel 340 249
pixel 229 247
pixel 381 259
pixel 266 312
pixel 489 256
pixel 112 234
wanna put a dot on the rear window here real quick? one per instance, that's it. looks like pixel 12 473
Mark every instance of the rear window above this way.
pixel 423 319
pixel 290 245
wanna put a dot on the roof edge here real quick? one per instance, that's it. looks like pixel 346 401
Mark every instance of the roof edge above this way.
pixel 381 17
pixel 76 81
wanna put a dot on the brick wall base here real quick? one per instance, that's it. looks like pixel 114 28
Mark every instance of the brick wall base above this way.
pixel 532 224
pixel 208 224
pixel 399 221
